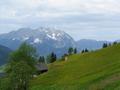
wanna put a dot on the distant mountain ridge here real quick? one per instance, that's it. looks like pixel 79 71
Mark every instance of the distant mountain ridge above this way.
pixel 45 40
pixel 90 44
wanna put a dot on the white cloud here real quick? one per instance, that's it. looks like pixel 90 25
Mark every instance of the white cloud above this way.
pixel 86 5
pixel 6 12
pixel 55 8
pixel 81 15
pixel 59 6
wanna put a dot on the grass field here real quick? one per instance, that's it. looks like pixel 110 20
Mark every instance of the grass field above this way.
pixel 99 70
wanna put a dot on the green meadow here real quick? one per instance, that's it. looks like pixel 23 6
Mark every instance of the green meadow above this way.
pixel 98 70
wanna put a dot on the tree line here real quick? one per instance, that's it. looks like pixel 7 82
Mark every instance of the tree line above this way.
pixel 105 45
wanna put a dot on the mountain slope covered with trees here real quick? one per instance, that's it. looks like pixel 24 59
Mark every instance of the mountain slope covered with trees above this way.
pixel 4 53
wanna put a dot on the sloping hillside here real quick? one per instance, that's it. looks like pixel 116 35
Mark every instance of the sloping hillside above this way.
pixel 98 70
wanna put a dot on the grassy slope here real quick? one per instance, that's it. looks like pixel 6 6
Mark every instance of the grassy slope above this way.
pixel 98 70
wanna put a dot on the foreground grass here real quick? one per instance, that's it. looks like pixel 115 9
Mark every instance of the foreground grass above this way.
pixel 98 70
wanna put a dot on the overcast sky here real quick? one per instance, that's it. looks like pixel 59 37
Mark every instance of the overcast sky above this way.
pixel 82 19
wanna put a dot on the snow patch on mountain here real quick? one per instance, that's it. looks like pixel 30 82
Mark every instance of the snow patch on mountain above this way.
pixel 25 38
pixel 37 40
pixel 13 39
pixel 58 34
pixel 53 36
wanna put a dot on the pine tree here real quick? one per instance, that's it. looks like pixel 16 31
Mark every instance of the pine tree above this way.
pixel 86 50
pixel 105 45
pixel 114 43
pixel 41 59
pixel 70 51
pixel 75 50
pixel 83 51
pixel 52 57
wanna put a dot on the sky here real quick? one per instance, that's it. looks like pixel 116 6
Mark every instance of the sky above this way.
pixel 82 19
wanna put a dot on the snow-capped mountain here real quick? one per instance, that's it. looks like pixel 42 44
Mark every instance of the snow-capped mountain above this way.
pixel 45 40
